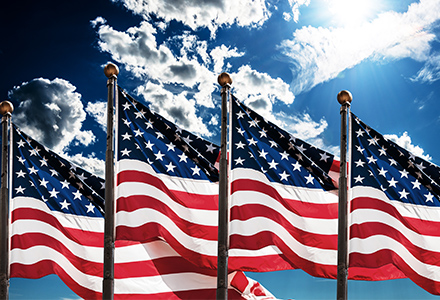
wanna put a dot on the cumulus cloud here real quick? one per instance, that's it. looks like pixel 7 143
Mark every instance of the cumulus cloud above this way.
pixel 320 54
pixel 51 112
pixel 90 163
pixel 404 141
pixel 98 111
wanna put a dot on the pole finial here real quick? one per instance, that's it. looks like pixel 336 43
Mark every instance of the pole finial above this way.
pixel 6 107
pixel 224 79
pixel 344 97
pixel 110 70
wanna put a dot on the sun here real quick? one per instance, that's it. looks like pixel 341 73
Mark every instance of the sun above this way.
pixel 351 12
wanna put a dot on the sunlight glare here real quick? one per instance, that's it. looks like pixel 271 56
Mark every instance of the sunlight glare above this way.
pixel 351 12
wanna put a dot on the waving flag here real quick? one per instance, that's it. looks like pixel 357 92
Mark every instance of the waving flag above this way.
pixel 58 227
pixel 284 203
pixel 395 212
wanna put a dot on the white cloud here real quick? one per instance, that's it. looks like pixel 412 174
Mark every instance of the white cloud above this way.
pixel 219 54
pixel 430 71
pixel 51 112
pixel 320 54
pixel 404 141
pixel 90 163
pixel 98 110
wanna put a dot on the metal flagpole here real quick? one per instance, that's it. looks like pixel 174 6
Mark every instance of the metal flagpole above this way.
pixel 6 108
pixel 223 204
pixel 111 71
pixel 344 98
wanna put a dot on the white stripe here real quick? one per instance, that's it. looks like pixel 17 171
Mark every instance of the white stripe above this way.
pixel 198 216
pixel 314 225
pixel 195 186
pixel 269 250
pixel 259 224
pixel 360 216
pixel 311 195
pixel 428 213
pixel 202 246
pixel 143 252
pixel 40 253
pixel 380 242
pixel 93 224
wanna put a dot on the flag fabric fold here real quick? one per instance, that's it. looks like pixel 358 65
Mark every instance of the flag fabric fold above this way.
pixel 394 218
pixel 58 228
pixel 284 203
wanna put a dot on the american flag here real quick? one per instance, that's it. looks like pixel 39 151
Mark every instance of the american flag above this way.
pixel 167 190
pixel 394 212
pixel 284 202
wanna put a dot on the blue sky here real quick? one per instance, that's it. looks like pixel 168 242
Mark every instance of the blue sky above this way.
pixel 288 60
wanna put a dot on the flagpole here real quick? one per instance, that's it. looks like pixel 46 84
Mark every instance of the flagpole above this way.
pixel 6 108
pixel 225 82
pixel 111 71
pixel 344 98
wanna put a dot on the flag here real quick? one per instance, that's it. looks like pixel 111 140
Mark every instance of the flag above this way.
pixel 167 184
pixel 58 228
pixel 394 219
pixel 284 202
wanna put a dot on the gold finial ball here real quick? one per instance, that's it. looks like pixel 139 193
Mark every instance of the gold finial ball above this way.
pixel 110 70
pixel 6 107
pixel 224 79
pixel 344 97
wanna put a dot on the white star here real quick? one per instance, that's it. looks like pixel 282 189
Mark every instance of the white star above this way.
pixel 301 148
pixel 252 142
pixel 149 124
pixel 324 156
pixel 240 114
pixel 382 172
pixel 65 184
pixel 360 149
pixel 20 189
pixel 404 173
pixel 43 161
pixel 159 155
pixel 159 135
pixel 126 122
pixel 44 183
pixel 139 114
pixel 263 153
pixel 138 132
pixel 34 151
pixel 403 194
pixel 371 159
pixel 273 164
pixel 284 175
pixel 240 131
pixel 126 105
pixel 240 145
pixel 359 163
pixel 273 144
pixel 170 167
pixel 21 159
pixel 210 148
pixel 171 147
pixel 20 174
pixel 382 152
pixel 126 136
pixel 187 139
pixel 239 161
pixel 53 193
pixel 262 133
pixel 33 170
pixel 196 170
pixel 296 166
pixel 309 179
pixel 77 195
pixel 359 179
pixel 359 133
pixel 392 182
pixel 416 184
pixel 53 172
pixel 183 157
pixel 65 204
pixel 90 208
pixel 125 152
pixel 393 162
pixel 20 143
pixel 149 145
pixel 82 177
pixel 429 197
pixel 284 155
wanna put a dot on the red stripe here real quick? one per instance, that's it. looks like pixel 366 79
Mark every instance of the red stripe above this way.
pixel 86 238
pixel 202 294
pixel 423 227
pixel 184 198
pixel 250 211
pixel 336 166
pixel 300 208
pixel 263 239
pixel 133 203
pixel 47 267
pixel 383 258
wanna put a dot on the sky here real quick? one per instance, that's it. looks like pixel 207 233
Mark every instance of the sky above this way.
pixel 288 60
